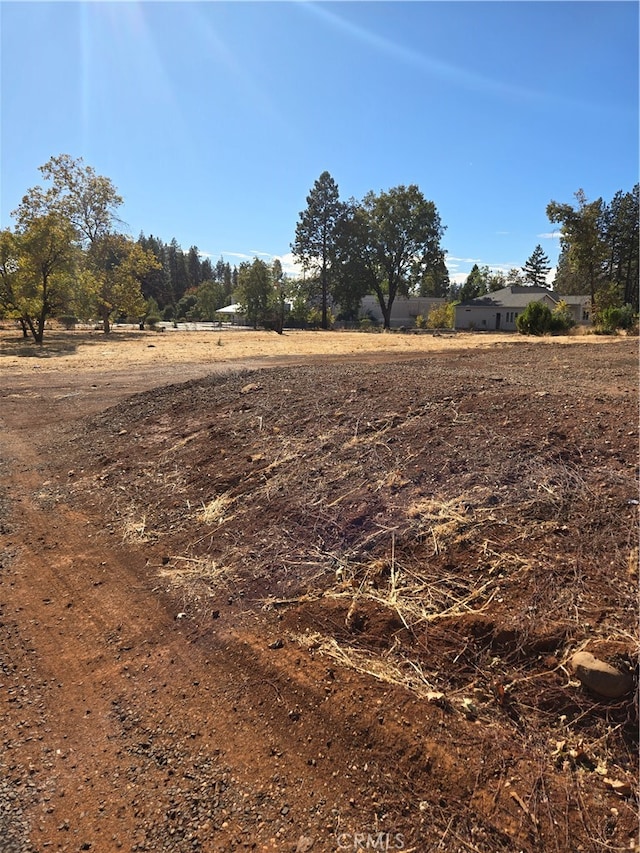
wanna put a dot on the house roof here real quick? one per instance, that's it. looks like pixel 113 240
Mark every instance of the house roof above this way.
pixel 519 296
pixel 230 309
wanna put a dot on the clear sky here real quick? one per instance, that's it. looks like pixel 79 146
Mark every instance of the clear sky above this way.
pixel 214 119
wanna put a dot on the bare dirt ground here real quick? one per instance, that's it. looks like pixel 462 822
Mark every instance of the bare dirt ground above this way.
pixel 316 592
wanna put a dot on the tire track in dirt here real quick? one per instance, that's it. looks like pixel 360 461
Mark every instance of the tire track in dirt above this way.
pixel 120 728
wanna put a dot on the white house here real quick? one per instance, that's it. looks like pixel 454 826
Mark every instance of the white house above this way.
pixel 404 310
pixel 498 310
pixel 232 314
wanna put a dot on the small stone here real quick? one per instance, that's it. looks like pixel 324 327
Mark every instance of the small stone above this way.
pixel 305 843
pixel 599 676
pixel 623 789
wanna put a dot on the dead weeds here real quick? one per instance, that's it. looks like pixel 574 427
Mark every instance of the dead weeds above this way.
pixel 453 528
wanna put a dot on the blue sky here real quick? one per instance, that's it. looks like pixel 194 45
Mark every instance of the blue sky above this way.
pixel 214 119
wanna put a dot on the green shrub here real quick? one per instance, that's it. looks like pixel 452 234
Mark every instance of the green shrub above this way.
pixel 68 321
pixel 536 319
pixel 561 319
pixel 442 316
pixel 629 318
pixel 610 319
pixel 314 318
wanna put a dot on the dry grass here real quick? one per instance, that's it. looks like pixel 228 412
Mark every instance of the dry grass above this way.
pixel 215 512
pixel 81 350
pixel 198 581
pixel 389 668
pixel 135 532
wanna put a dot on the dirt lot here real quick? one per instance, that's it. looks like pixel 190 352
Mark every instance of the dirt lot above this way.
pixel 316 592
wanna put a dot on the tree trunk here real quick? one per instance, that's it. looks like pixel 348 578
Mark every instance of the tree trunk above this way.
pixel 106 325
pixel 386 305
pixel 324 297
pixel 630 286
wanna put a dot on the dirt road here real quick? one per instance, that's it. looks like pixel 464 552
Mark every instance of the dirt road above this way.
pixel 118 730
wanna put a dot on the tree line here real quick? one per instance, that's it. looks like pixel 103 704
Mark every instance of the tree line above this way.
pixel 67 256
pixel 185 286
pixel 599 248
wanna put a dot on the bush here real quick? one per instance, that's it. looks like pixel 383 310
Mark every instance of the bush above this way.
pixel 68 321
pixel 561 319
pixel 628 317
pixel 611 319
pixel 442 316
pixel 314 318
pixel 368 324
pixel 536 319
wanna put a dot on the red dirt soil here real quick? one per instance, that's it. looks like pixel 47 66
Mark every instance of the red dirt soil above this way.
pixel 322 606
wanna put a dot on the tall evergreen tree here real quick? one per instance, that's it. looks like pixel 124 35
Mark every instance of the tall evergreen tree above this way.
pixel 435 281
pixel 177 270
pixel 206 270
pixel 621 234
pixel 193 267
pixel 316 234
pixel 156 283
pixel 536 268
pixel 475 284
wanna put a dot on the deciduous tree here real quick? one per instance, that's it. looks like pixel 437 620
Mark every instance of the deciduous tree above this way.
pixel 43 261
pixel 255 290
pixel 210 297
pixel 582 239
pixel 9 269
pixel 87 200
pixel 394 240
pixel 114 270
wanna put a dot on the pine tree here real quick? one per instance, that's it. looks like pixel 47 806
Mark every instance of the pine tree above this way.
pixel 475 284
pixel 536 268
pixel 193 267
pixel 316 231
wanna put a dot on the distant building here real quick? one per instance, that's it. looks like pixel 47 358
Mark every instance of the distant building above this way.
pixel 233 314
pixel 404 310
pixel 497 311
